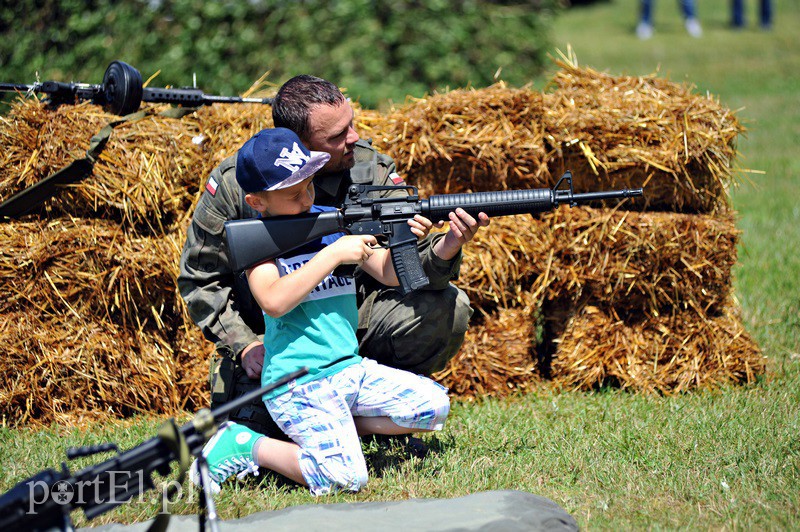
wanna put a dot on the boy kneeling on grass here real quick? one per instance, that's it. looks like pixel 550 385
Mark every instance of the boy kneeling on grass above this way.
pixel 311 319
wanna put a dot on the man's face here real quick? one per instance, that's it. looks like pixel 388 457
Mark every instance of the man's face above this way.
pixel 331 131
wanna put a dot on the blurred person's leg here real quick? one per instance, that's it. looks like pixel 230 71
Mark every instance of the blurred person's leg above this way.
pixel 765 14
pixel 644 30
pixel 690 18
pixel 737 11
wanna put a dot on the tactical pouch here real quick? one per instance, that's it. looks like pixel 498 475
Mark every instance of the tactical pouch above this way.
pixel 229 381
pixel 221 377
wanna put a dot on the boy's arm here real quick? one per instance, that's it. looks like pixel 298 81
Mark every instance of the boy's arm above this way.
pixel 277 294
pixel 379 265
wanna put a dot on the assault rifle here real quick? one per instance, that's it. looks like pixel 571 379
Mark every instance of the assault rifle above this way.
pixel 122 92
pixel 45 500
pixel 251 242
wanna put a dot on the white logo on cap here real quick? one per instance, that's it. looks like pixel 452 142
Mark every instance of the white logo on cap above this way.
pixel 292 160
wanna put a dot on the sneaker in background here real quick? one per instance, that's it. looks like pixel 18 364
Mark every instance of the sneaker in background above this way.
pixel 644 31
pixel 693 27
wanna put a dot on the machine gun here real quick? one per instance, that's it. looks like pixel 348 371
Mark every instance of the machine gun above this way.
pixel 122 92
pixel 251 242
pixel 45 500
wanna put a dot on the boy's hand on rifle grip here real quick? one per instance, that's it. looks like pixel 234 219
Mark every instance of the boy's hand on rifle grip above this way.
pixel 353 249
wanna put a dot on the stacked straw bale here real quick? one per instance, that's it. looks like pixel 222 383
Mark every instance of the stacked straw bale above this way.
pixel 616 132
pixel 146 178
pixel 660 277
pixel 636 294
pixel 92 323
pixel 612 132
pixel 465 140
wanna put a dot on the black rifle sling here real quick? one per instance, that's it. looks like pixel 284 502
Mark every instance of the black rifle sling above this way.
pixel 172 436
pixel 31 197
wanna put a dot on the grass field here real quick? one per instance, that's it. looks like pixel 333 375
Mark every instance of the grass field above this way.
pixel 726 459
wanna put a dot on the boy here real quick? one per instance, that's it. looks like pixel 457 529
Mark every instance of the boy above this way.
pixel 311 317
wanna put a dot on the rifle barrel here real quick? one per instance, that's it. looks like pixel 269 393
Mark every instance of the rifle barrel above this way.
pixel 15 87
pixel 510 202
pixel 210 98
pixel 193 97
pixel 603 195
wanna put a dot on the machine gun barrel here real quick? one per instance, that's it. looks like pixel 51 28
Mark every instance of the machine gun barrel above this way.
pixel 122 92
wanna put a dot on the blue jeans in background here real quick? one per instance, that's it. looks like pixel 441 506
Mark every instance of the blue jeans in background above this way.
pixel 687 8
pixel 764 13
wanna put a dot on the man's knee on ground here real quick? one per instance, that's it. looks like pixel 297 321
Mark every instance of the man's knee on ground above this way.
pixel 420 332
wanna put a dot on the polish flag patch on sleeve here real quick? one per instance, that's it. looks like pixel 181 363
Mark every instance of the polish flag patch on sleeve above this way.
pixel 211 186
pixel 395 178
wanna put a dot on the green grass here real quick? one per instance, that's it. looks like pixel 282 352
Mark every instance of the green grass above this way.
pixel 725 459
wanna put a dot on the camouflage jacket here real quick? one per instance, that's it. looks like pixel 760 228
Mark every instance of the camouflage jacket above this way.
pixel 218 300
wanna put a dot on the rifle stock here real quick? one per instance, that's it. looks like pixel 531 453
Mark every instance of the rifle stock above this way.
pixel 251 242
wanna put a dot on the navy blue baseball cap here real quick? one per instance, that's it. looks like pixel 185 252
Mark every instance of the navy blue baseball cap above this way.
pixel 275 158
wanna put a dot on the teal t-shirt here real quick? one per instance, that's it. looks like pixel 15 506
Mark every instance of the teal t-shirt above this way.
pixel 319 333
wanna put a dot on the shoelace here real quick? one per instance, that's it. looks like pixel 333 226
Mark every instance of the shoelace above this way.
pixel 241 467
pixel 251 468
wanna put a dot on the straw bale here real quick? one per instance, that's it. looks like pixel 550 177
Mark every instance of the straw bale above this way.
pixel 643 263
pixel 636 263
pixel 146 177
pixel 57 369
pixel 503 261
pixel 224 128
pixel 463 140
pixel 666 355
pixel 587 296
pixel 611 131
pixel 84 269
pixel 622 131
pixel 496 358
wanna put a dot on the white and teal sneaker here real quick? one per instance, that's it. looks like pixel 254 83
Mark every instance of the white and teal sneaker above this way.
pixel 229 452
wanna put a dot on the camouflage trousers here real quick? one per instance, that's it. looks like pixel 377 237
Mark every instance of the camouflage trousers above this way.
pixel 419 332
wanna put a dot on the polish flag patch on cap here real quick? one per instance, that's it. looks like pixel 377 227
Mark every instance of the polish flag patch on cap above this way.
pixel 211 186
pixel 396 179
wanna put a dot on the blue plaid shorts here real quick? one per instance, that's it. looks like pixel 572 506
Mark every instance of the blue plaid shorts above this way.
pixel 318 416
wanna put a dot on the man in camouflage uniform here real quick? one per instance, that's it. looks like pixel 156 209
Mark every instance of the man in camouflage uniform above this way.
pixel 419 332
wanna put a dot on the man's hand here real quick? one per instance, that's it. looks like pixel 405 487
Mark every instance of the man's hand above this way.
pixel 463 228
pixel 253 359
pixel 421 226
